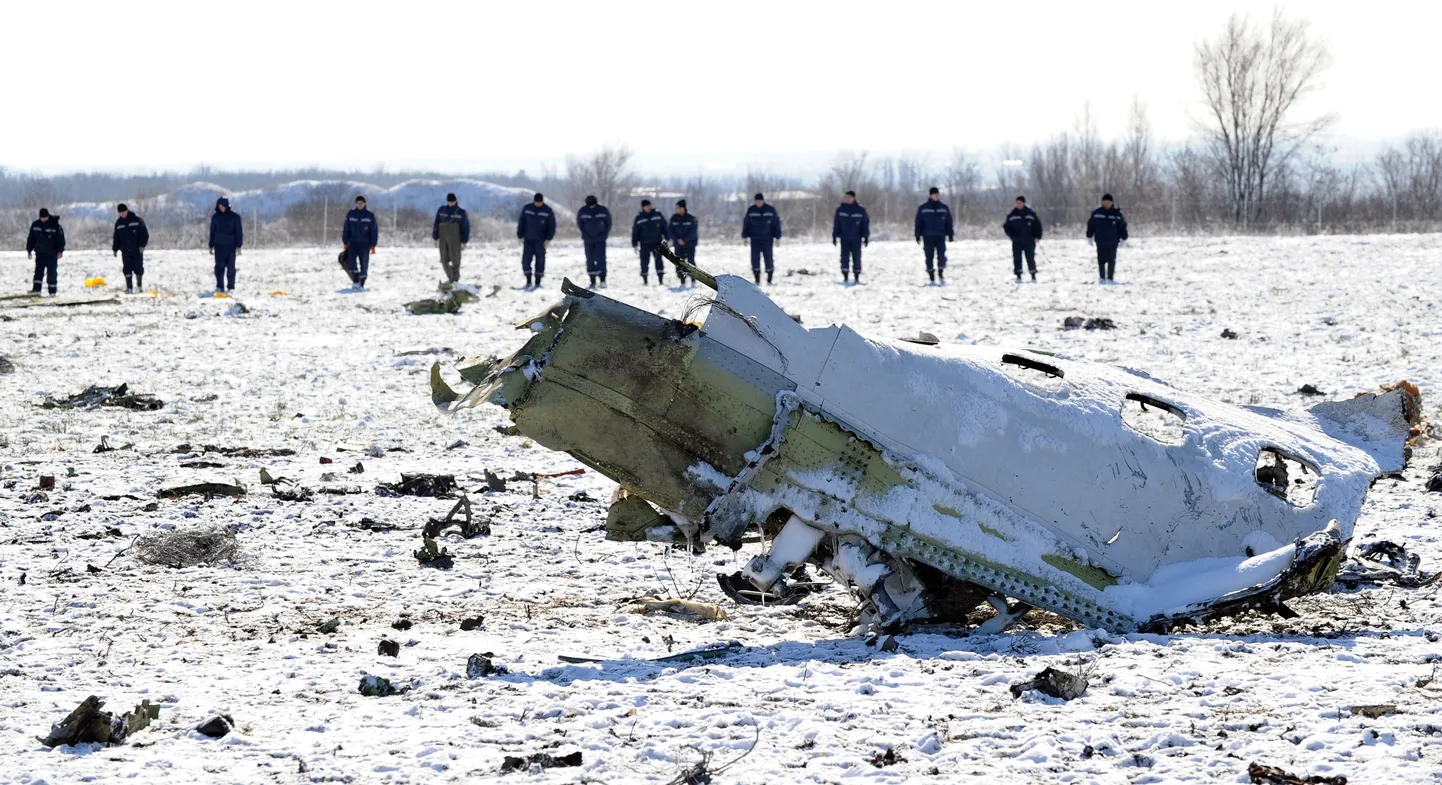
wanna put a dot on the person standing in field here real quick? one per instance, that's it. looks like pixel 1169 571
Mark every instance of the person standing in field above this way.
pixel 1023 226
pixel 762 226
pixel 359 234
pixel 129 243
pixel 933 229
pixel 1106 229
pixel 685 232
pixel 648 231
pixel 535 228
pixel 851 227
pixel 594 221
pixel 46 242
pixel 227 235
pixel 451 231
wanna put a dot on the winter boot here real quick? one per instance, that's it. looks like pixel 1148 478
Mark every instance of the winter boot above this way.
pixel 645 279
pixel 129 288
pixel 754 274
pixel 681 277
pixel 768 278
pixel 603 282
pixel 528 281
pixel 538 282
pixel 139 283
pixel 1018 277
pixel 593 282
pixel 857 277
pixel 660 278
pixel 931 276
pixel 846 276
pixel 1033 277
pixel 941 275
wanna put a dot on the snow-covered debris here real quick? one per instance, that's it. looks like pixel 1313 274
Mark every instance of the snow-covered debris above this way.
pixel 910 471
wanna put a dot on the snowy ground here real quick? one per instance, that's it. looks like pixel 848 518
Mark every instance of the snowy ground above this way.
pixel 320 371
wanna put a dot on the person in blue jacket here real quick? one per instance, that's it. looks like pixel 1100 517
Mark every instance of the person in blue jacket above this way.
pixel 1107 228
pixel 451 231
pixel 933 230
pixel 851 227
pixel 129 243
pixel 46 242
pixel 684 231
pixel 648 231
pixel 1023 226
pixel 594 221
pixel 762 226
pixel 535 228
pixel 359 234
pixel 226 237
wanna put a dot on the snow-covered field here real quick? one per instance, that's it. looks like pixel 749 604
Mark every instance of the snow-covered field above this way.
pixel 322 372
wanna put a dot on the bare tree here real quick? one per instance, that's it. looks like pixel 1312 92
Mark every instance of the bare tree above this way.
pixel 606 174
pixel 1252 80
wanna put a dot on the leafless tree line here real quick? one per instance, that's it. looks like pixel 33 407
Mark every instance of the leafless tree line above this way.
pixel 1256 164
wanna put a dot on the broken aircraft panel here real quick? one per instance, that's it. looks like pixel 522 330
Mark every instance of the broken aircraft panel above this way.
pixel 929 475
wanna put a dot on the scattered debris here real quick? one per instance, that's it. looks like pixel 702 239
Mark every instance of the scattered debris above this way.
pixel 402 624
pixel 1229 334
pixel 1374 710
pixel 1057 684
pixel 1434 485
pixel 687 609
pixel 1384 561
pixel 439 486
pixel 800 271
pixel 1100 323
pixel 90 723
pixel 712 651
pixel 216 727
pixel 449 304
pixel 291 494
pixel 378 687
pixel 104 446
pixel 205 545
pixel 329 626
pixel 1309 389
pixel 924 338
pixel 458 444
pixel 95 396
pixel 468 528
pixel 580 496
pixel 789 592
pixel 6 366
pixel 507 430
pixel 201 465
pixel 388 648
pixel 888 758
pixel 359 468
pixel 472 623
pixel 324 460
pixel 47 482
pixel 207 489
pixel 544 760
pixel 1271 775
pixel 431 350
pixel 494 483
pixel 479 666
pixel 432 555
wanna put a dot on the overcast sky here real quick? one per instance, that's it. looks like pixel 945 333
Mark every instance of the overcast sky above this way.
pixel 696 86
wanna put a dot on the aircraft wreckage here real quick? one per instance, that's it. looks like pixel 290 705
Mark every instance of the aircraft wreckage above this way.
pixel 931 478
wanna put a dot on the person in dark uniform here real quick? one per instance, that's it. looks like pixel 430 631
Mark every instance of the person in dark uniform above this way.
pixel 1107 228
pixel 594 221
pixel 685 232
pixel 851 229
pixel 648 231
pixel 227 235
pixel 1024 228
pixel 762 226
pixel 933 228
pixel 46 242
pixel 129 243
pixel 535 228
pixel 360 235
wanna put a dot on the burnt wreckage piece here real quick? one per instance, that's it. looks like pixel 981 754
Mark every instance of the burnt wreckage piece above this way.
pixel 931 478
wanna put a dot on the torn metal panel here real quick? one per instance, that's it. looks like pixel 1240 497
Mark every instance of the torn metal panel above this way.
pixel 923 475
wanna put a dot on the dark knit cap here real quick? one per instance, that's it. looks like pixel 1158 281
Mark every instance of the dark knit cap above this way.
pixel 537 198
pixel 121 208
pixel 360 199
pixel 450 197
pixel 680 202
pixel 1021 199
pixel 590 200
pixel 759 198
pixel 645 202
pixel 44 213
pixel 1106 197
pixel 851 194
pixel 935 190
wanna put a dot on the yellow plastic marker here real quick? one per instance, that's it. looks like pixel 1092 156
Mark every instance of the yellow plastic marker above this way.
pixel 91 283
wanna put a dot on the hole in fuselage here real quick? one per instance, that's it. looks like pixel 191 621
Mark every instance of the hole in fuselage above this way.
pixel 1032 371
pixel 1153 418
pixel 1286 477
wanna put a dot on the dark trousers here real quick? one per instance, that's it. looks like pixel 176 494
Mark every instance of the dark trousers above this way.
pixel 1023 249
pixel 358 262
pixel 534 249
pixel 649 251
pixel 47 269
pixel 934 246
pixel 688 255
pixel 224 268
pixel 760 248
pixel 1106 261
pixel 132 263
pixel 851 255
pixel 596 257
